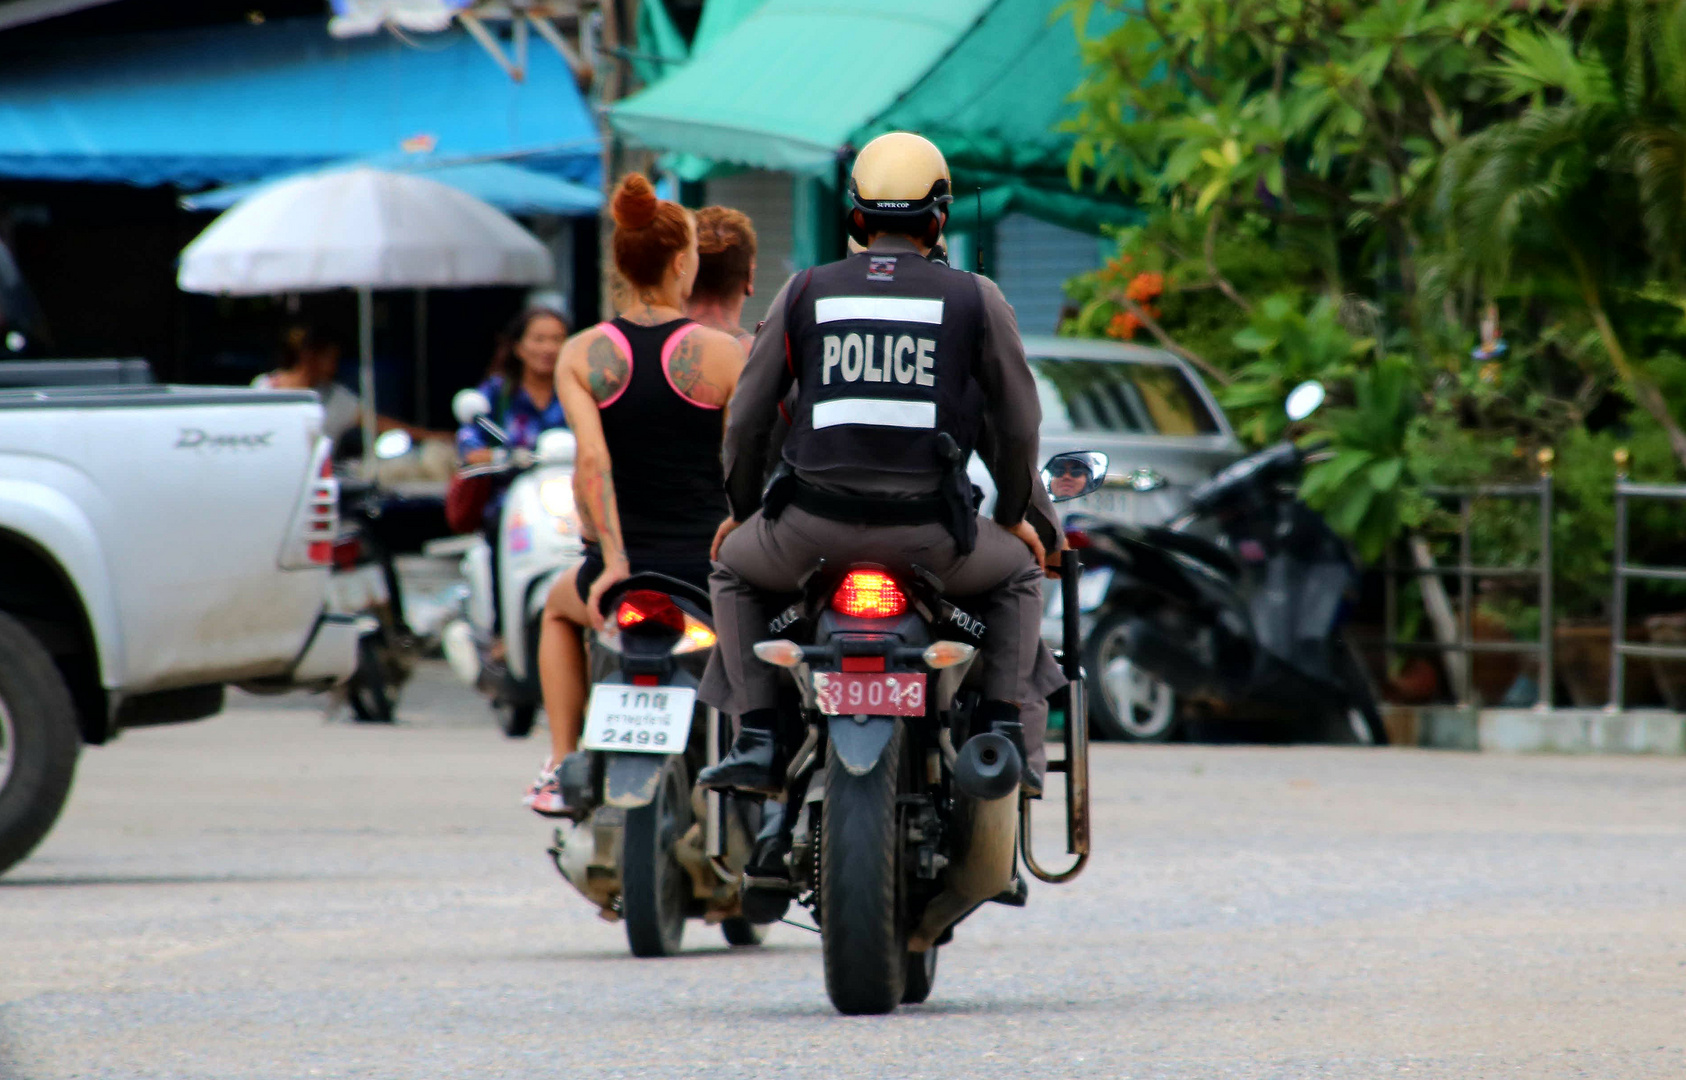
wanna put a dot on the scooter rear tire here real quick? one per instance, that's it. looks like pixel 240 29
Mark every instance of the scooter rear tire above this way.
pixel 655 887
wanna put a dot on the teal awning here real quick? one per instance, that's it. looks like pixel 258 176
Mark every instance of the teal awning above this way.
pixel 989 83
pixel 787 87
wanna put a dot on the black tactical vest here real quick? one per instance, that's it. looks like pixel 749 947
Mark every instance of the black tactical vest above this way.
pixel 884 350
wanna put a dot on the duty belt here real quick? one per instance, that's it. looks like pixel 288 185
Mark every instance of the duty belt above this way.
pixel 869 509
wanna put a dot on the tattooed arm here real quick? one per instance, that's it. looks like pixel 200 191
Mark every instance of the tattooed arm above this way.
pixel 591 371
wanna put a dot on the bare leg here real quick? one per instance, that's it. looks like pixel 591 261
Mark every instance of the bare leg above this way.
pixel 562 671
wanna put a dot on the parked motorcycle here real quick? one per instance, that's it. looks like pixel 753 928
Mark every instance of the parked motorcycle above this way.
pixel 649 851
pixel 376 525
pixel 1253 619
pixel 493 642
pixel 900 816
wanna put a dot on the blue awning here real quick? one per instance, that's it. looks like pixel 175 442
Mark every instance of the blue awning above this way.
pixel 511 188
pixel 227 104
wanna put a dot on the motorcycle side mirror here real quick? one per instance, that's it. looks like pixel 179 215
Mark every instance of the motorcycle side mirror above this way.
pixel 393 444
pixel 1074 475
pixel 1304 399
pixel 556 447
pixel 470 405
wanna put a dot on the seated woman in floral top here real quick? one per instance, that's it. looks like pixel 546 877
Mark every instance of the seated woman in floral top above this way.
pixel 521 385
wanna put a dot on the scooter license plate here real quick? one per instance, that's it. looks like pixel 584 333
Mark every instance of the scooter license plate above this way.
pixel 846 693
pixel 639 719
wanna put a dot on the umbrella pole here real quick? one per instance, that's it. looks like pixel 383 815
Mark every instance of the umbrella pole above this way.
pixel 366 374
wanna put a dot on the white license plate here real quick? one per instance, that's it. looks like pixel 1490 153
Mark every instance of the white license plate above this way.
pixel 1109 501
pixel 639 719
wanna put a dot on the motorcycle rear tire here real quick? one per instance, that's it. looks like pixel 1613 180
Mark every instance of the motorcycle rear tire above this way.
pixel 517 720
pixel 863 936
pixel 655 888
pixel 921 976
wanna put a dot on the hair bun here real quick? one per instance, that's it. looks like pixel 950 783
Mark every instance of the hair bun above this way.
pixel 634 205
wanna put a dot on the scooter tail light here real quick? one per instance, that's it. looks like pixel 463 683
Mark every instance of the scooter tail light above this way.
pixel 647 609
pixel 1078 539
pixel 698 636
pixel 869 594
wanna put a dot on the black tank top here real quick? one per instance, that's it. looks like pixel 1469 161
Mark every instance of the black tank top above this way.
pixel 665 449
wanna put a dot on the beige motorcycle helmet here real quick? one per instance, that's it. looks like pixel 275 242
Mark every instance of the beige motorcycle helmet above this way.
pixel 899 175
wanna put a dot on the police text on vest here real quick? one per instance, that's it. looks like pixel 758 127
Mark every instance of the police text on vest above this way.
pixel 879 358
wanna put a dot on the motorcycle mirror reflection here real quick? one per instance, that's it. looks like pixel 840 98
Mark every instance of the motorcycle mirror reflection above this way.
pixel 1074 475
pixel 393 444
pixel 1305 399
pixel 469 405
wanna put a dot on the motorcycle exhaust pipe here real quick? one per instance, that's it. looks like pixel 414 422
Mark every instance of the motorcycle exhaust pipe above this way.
pixel 986 851
pixel 1149 649
pixel 988 767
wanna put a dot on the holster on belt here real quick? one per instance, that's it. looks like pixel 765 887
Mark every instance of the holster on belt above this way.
pixel 779 492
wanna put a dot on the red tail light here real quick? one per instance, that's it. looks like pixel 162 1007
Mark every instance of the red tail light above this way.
pixel 1078 539
pixel 321 519
pixel 347 550
pixel 649 609
pixel 869 594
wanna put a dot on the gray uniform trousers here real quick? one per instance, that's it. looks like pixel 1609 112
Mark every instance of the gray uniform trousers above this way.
pixel 763 556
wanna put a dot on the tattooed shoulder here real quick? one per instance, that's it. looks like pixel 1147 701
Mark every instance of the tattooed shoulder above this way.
pixel 606 369
pixel 688 373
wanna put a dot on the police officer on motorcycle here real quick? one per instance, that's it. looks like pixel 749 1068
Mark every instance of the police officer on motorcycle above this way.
pixel 901 367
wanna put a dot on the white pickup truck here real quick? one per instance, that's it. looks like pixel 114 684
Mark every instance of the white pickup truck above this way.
pixel 157 543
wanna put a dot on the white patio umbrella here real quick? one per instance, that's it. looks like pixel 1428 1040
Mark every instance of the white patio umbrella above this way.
pixel 361 229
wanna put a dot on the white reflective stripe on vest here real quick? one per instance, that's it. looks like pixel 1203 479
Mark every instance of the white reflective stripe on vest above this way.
pixel 878 309
pixel 879 412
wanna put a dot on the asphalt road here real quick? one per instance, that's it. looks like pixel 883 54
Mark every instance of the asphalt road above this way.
pixel 268 895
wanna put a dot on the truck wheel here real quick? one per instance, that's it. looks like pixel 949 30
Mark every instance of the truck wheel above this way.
pixel 1125 702
pixel 863 938
pixel 655 887
pixel 517 720
pixel 39 742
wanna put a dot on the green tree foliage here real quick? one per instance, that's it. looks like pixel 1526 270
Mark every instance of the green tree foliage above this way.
pixel 1343 191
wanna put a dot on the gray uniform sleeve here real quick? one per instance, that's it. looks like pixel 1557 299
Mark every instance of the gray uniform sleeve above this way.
pixel 1014 419
pixel 755 412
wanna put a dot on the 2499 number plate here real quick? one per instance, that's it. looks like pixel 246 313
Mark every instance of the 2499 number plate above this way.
pixel 639 719
pixel 845 693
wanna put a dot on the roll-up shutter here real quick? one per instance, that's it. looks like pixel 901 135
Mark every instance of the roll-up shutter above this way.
pixel 1033 261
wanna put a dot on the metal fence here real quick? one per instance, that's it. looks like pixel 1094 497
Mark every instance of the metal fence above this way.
pixel 1465 646
pixel 1620 647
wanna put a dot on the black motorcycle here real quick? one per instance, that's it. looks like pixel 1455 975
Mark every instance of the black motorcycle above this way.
pixel 1253 619
pixel 901 816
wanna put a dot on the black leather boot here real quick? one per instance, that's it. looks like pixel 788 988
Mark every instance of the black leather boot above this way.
pixel 752 766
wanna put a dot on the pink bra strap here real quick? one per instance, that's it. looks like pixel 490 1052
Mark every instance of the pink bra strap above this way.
pixel 618 339
pixel 671 346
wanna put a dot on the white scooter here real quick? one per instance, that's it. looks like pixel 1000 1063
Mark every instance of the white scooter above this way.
pixel 538 540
